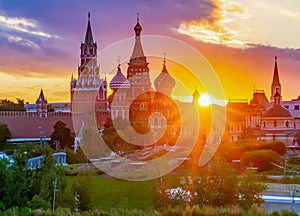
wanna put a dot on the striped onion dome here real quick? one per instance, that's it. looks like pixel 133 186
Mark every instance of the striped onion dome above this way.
pixel 119 81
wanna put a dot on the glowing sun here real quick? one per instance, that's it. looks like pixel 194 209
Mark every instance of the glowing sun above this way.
pixel 204 100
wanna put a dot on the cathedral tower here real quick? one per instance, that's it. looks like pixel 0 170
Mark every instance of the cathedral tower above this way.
pixel 138 71
pixel 275 86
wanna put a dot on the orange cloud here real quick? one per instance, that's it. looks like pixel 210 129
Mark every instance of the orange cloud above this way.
pixel 218 30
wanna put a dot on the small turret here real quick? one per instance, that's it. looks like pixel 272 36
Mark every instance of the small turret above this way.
pixel 41 105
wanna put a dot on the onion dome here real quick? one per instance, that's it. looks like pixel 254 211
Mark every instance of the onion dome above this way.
pixel 119 81
pixel 138 28
pixel 41 99
pixel 164 83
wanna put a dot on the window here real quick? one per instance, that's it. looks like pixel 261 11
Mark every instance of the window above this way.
pixel 287 123
pixel 286 106
pixel 264 124
pixel 296 107
pixel 275 123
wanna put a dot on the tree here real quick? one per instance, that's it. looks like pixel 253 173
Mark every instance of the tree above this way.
pixel 217 186
pixel 262 159
pixel 4 135
pixel 62 134
pixel 250 189
pixel 8 105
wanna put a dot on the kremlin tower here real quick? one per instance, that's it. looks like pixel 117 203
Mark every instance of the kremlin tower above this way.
pixel 89 88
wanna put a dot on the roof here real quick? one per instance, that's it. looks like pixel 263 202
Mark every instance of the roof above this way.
pixel 277 111
pixel 119 81
pixel 259 98
pixel 138 56
pixel 89 36
pixel 41 98
pixel 275 75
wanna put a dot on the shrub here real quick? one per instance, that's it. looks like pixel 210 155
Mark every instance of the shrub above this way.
pixel 261 159
pixel 276 146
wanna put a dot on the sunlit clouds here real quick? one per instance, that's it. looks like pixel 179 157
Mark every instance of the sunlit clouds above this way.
pixel 248 23
pixel 23 25
pixel 216 29
pixel 21 41
pixel 17 29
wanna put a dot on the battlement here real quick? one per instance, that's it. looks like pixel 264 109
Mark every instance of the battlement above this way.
pixel 33 114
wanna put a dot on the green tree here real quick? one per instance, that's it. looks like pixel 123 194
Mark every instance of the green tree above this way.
pixel 4 135
pixel 62 134
pixel 8 105
pixel 6 188
pixel 217 186
pixel 83 189
pixel 250 189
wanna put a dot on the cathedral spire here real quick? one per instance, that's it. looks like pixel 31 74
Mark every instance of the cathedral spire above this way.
pixel 89 36
pixel 138 52
pixel 275 86
pixel 275 75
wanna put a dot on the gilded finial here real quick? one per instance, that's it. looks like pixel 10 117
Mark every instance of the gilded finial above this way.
pixel 137 16
pixel 89 16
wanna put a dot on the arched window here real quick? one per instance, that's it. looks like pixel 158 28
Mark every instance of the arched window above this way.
pixel 287 123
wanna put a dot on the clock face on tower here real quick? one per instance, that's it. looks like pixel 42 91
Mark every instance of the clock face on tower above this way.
pixel 85 71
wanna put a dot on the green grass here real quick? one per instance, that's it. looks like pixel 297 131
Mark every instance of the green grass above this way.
pixel 110 192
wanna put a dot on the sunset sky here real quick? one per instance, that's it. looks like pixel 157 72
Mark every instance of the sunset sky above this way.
pixel 40 40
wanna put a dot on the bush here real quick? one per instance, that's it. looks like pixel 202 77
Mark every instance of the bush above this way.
pixel 276 146
pixel 235 150
pixel 261 159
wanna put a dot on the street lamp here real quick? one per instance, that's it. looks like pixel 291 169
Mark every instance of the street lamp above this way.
pixel 54 194
pixel 42 137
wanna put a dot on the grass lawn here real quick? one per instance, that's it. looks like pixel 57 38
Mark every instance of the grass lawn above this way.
pixel 111 192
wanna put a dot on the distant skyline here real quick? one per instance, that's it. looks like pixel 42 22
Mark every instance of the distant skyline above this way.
pixel 40 41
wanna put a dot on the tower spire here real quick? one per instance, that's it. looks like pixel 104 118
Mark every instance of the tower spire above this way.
pixel 89 36
pixel 275 86
pixel 275 75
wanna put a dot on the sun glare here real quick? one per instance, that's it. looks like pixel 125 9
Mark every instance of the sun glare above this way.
pixel 204 100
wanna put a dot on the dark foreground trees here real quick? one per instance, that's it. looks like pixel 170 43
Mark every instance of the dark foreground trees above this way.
pixel 34 188
pixel 4 135
pixel 216 185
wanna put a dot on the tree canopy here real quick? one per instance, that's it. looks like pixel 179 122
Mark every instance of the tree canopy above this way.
pixel 4 135
pixel 62 134
pixel 8 105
